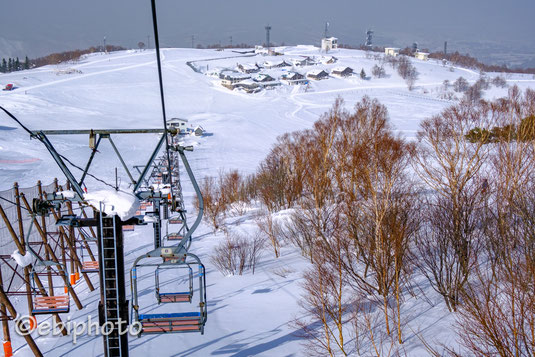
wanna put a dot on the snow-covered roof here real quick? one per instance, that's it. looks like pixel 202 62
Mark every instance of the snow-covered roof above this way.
pixel 341 69
pixel 291 75
pixel 316 72
pixel 262 77
pixel 249 66
pixel 249 82
pixel 177 120
pixel 275 63
pixel 234 75
pixel 327 59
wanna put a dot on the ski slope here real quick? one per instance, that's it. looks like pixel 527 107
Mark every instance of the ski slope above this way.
pixel 248 315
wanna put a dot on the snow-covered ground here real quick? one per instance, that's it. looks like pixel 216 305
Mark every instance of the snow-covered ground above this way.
pixel 247 315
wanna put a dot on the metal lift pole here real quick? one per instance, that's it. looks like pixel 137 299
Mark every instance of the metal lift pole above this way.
pixel 113 306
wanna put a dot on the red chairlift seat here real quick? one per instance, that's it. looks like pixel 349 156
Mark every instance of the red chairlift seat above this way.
pixel 175 297
pixel 128 228
pixel 175 220
pixel 90 267
pixel 50 304
pixel 169 323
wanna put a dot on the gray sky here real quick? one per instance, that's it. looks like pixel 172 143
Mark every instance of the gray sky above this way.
pixel 495 30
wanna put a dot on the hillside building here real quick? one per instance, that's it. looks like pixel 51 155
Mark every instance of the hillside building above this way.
pixel 318 74
pixel 293 78
pixel 342 71
pixel 329 43
pixel 276 64
pixel 328 60
pixel 248 68
pixel 230 79
pixel 392 51
pixel 421 56
pixel 179 124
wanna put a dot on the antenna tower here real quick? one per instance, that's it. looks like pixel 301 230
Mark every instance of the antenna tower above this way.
pixel 268 28
pixel 369 34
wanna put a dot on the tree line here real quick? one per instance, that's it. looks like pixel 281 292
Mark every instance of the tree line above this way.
pixel 375 214
pixel 14 64
pixel 455 58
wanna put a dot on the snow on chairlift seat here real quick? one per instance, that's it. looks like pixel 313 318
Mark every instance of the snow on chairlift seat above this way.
pixel 51 304
pixel 169 323
pixel 174 297
pixel 90 267
pixel 174 236
pixel 175 220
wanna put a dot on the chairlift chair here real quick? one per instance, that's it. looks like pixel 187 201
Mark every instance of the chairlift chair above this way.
pixel 171 297
pixel 176 322
pixel 44 305
pixel 175 220
pixel 176 235
pixel 88 266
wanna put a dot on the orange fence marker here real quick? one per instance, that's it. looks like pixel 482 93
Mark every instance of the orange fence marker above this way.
pixel 8 351
pixel 33 323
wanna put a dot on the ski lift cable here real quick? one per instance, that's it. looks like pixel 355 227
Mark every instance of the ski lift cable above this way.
pixel 162 97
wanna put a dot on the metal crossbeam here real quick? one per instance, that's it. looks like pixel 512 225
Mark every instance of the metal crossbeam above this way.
pixel 103 131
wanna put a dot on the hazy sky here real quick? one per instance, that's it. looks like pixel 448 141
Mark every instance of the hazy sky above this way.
pixel 498 30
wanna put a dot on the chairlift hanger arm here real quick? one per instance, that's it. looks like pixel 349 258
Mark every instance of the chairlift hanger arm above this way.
pixel 187 236
pixel 42 137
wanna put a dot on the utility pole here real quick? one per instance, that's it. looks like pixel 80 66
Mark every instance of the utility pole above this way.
pixel 445 47
pixel 231 41
pixel 105 49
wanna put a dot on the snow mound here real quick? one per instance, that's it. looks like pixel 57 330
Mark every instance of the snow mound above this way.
pixel 122 204
pixel 22 260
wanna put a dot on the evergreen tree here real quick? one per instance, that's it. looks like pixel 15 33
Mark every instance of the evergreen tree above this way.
pixel 10 65
pixel 26 63
pixel 17 64
pixel 3 67
pixel 362 74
